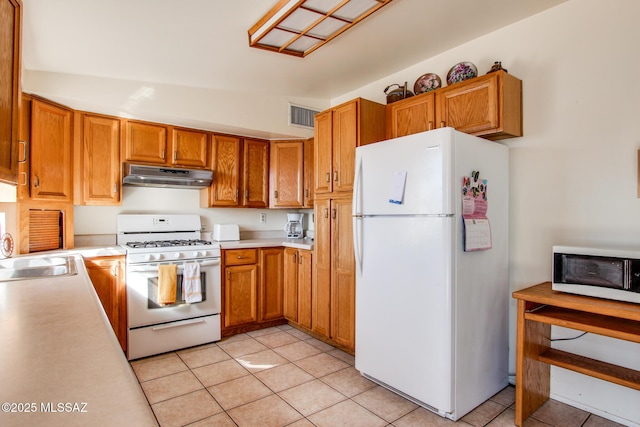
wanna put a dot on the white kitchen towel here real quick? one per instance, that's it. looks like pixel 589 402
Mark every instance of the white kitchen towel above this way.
pixel 191 284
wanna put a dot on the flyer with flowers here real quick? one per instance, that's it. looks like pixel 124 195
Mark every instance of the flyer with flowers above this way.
pixel 477 229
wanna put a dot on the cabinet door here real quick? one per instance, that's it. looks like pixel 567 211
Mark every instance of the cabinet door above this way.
pixel 323 137
pixel 107 276
pixel 345 140
pixel 305 275
pixel 291 284
pixel 256 174
pixel 225 190
pixel 343 274
pixel 286 174
pixel 308 175
pixel 271 283
pixel 51 153
pixel 321 292
pixel 411 115
pixel 146 142
pixel 10 30
pixel 189 148
pixel 470 106
pixel 240 295
pixel 101 174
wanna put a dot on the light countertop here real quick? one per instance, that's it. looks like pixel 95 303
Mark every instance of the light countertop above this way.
pixel 267 242
pixel 61 361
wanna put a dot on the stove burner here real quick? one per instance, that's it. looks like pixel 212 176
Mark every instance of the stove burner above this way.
pixel 168 243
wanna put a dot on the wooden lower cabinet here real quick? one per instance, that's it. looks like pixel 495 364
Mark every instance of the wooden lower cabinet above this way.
pixel 108 277
pixel 298 275
pixel 252 289
pixel 333 292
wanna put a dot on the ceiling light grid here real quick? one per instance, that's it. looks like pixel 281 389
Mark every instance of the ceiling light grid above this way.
pixel 298 27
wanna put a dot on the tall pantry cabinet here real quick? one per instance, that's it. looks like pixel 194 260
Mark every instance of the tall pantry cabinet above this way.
pixel 338 131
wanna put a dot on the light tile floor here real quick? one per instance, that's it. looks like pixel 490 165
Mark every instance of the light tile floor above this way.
pixel 283 377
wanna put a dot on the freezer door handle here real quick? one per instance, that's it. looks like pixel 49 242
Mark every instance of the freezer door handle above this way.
pixel 357 243
pixel 357 188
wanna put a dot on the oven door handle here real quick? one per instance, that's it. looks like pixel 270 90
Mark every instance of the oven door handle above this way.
pixel 176 325
pixel 154 266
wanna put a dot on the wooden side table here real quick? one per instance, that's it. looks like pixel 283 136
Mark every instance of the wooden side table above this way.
pixel 539 307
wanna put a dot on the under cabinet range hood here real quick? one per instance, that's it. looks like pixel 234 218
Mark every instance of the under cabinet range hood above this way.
pixel 160 176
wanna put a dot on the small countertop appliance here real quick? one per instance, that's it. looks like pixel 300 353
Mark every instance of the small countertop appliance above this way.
pixel 294 225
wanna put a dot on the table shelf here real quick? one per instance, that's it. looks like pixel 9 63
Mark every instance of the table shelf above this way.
pixel 540 307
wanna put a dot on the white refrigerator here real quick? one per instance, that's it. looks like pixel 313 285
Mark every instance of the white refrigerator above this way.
pixel 431 318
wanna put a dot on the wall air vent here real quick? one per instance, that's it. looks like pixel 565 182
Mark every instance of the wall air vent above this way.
pixel 301 116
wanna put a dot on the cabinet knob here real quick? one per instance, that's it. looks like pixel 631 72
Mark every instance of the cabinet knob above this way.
pixel 36 182
pixel 430 126
pixel 163 154
pixel 246 194
pixel 115 188
pixel 334 213
pixel 175 156
pixel 326 213
pixel 335 175
pixel 327 177
pixel 23 181
pixel 442 124
pixel 306 192
pixel 275 194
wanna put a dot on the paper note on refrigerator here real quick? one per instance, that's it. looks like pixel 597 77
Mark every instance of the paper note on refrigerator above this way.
pixel 477 229
pixel 397 187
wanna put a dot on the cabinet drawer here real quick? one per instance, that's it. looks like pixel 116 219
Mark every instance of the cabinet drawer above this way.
pixel 240 256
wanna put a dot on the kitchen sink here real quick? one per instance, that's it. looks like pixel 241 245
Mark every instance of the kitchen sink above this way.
pixel 26 268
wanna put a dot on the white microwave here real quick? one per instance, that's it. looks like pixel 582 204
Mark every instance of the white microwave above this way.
pixel 597 272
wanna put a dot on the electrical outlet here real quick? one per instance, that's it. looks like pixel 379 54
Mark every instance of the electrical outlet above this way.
pixel 263 218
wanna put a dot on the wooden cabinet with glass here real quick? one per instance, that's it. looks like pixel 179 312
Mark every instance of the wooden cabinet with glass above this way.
pixel 338 131
pixel 488 106
pixel 10 53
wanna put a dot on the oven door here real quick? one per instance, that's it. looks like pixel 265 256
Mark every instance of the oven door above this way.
pixel 142 280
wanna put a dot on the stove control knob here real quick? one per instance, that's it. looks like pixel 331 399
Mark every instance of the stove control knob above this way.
pixel 177 255
pixel 148 257
pixel 195 254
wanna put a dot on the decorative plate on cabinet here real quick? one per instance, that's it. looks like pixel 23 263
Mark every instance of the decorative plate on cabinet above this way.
pixel 460 72
pixel 427 82
pixel 6 245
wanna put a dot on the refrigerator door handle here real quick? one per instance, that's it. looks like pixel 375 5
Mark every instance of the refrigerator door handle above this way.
pixel 357 188
pixel 357 242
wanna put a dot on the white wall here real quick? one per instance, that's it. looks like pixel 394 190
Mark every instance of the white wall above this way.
pixel 574 172
pixel 227 111
pixel 96 220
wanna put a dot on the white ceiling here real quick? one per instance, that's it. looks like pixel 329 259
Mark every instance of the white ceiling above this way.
pixel 204 43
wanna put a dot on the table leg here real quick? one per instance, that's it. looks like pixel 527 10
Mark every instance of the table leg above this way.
pixel 532 376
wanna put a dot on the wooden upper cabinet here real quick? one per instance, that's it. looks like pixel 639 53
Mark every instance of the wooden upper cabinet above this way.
pixel 225 189
pixel 50 162
pixel 286 172
pixel 489 106
pixel 414 115
pixel 189 148
pixel 240 173
pixel 146 142
pixel 323 142
pixel 10 52
pixel 255 174
pixel 308 193
pixel 338 132
pixel 98 163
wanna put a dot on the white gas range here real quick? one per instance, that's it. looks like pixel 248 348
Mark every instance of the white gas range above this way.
pixel 152 240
